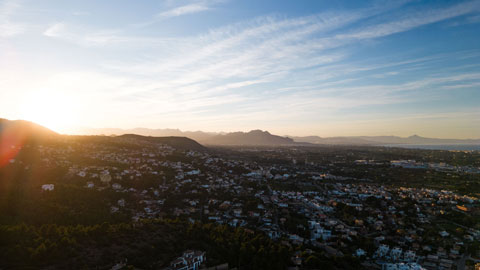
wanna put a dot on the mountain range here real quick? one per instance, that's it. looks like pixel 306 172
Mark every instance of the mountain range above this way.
pixel 259 137
pixel 254 137
pixel 192 139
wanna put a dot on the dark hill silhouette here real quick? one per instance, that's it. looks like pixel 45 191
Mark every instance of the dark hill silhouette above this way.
pixel 19 132
pixel 25 130
pixel 167 132
pixel 15 134
pixel 182 143
pixel 254 137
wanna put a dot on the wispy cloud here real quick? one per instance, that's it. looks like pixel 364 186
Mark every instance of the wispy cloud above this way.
pixel 9 28
pixel 183 10
pixel 196 6
pixel 413 20
pixel 98 38
pixel 225 65
pixel 55 30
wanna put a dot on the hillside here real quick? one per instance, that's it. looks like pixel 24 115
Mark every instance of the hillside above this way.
pixel 19 132
pixel 22 129
pixel 181 143
pixel 167 132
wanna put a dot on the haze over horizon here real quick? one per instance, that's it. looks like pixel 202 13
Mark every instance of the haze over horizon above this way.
pixel 151 132
pixel 347 68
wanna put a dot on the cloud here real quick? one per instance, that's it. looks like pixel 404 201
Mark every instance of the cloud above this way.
pixel 183 10
pixel 10 29
pixel 270 68
pixel 55 30
pixel 85 38
pixel 271 44
pixel 7 27
pixel 192 8
pixel 302 55
pixel 412 21
pixel 474 19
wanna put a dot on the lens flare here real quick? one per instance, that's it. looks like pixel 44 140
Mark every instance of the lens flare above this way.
pixel 11 141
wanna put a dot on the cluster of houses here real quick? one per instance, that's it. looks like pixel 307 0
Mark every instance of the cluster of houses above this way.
pixel 393 221
pixel 334 216
pixel 190 260
pixel 442 166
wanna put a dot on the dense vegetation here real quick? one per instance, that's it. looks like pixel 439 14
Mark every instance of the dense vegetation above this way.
pixel 147 244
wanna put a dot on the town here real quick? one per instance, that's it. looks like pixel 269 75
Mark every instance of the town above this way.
pixel 315 207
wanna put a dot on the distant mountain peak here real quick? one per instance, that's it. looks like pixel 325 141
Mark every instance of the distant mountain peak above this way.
pixel 253 137
pixel 259 131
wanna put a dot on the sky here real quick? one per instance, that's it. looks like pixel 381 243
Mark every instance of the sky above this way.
pixel 326 68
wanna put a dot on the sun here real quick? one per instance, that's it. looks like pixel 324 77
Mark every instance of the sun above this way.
pixel 53 110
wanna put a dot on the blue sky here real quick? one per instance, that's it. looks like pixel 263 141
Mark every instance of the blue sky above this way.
pixel 323 68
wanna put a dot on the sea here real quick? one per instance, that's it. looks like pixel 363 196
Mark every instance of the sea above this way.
pixel 452 147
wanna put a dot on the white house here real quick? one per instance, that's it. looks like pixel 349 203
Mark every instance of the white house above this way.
pixel 121 202
pixel 409 256
pixel 360 252
pixel 444 233
pixel 402 266
pixel 190 260
pixel 382 251
pixel 48 187
pixel 396 253
pixel 116 186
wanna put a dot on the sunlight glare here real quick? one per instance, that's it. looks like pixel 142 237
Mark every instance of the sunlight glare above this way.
pixel 53 110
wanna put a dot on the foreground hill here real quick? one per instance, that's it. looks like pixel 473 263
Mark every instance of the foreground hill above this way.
pixel 24 130
pixel 199 136
pixel 181 143
pixel 254 137
pixel 18 132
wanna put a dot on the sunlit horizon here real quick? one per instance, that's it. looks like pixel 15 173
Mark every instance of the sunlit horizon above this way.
pixel 68 129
